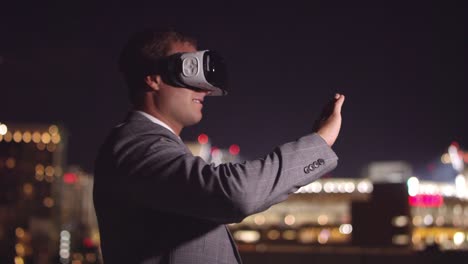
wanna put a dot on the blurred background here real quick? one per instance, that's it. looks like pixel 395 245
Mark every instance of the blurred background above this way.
pixel 399 192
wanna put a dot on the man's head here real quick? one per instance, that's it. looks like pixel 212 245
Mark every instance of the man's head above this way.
pixel 176 106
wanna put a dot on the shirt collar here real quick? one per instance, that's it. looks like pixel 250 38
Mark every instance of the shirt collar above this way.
pixel 157 121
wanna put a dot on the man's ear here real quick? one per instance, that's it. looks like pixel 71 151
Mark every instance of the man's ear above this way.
pixel 153 82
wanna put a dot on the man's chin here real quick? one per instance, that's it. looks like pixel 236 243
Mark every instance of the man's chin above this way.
pixel 194 121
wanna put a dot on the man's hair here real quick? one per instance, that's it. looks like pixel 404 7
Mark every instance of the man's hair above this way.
pixel 142 52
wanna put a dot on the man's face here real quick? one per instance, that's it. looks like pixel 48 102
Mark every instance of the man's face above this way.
pixel 180 106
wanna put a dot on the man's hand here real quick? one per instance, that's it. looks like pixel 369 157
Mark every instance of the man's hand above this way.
pixel 329 124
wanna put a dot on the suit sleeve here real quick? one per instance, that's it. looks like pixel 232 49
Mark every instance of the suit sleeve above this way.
pixel 162 175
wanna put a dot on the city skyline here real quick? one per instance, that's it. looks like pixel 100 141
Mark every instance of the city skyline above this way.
pixel 412 215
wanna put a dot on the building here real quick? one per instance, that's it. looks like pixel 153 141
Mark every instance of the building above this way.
pixel 31 165
pixel 79 234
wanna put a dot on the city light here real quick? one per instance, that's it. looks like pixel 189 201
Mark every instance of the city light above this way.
pixel 3 129
pixel 10 163
pixel 428 220
pixel 203 139
pixel 90 257
pixel 39 177
pixel 314 187
pixel 289 219
pixel 445 158
pixel 247 236
pixel 400 239
pixel 289 234
pixel 56 138
pixel 448 191
pixel 413 186
pixel 307 235
pixel 64 252
pixel 49 171
pixel 349 187
pixel 17 136
pixel 323 236
pixel 259 219
pixel 329 187
pixel 19 260
pixel 48 202
pixel 457 161
pixel 8 136
pixel 19 232
pixel 426 200
pixel 49 178
pixel 27 137
pixel 234 149
pixel 65 235
pixel 322 220
pixel 417 220
pixel 19 249
pixel 45 138
pixel 460 185
pixel 41 146
pixel 457 209
pixel 458 238
pixel 273 234
pixel 40 169
pixel 346 229
pixel 70 178
pixel 36 137
pixel 440 220
pixel 365 187
pixel 51 147
pixel 53 129
pixel 400 221
pixel 87 242
pixel 28 189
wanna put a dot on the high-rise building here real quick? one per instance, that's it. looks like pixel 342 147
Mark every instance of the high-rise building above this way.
pixel 79 234
pixel 31 165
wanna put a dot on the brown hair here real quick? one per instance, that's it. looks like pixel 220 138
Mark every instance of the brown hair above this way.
pixel 142 52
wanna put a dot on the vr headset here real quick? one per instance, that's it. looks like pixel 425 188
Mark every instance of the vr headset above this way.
pixel 201 70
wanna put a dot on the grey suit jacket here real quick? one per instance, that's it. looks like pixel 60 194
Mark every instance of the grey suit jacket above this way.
pixel 157 203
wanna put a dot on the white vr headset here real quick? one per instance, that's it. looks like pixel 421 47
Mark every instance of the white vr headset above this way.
pixel 201 70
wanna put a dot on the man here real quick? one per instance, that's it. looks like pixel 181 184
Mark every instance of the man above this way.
pixel 155 201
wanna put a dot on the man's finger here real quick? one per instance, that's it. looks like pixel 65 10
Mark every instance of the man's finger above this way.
pixel 338 104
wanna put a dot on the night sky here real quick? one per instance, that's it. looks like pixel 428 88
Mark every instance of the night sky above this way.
pixel 401 67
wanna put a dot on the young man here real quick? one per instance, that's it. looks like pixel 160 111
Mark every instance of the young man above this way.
pixel 155 201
